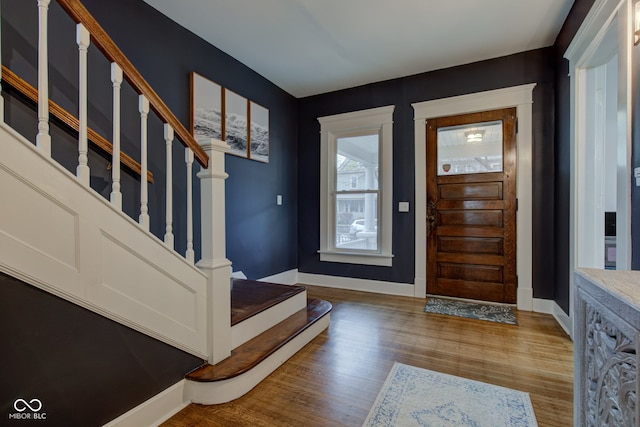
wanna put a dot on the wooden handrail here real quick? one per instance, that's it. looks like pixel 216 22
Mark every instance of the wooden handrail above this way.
pixel 105 44
pixel 30 92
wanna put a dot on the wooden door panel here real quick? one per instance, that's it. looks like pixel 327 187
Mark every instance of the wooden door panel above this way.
pixel 468 289
pixel 492 245
pixel 446 205
pixel 470 231
pixel 470 272
pixel 472 178
pixel 471 258
pixel 472 191
pixel 471 241
pixel 487 218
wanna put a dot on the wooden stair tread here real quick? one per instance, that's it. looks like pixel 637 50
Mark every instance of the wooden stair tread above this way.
pixel 250 297
pixel 254 351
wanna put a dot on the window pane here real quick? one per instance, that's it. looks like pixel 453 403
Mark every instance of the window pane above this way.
pixel 474 148
pixel 357 221
pixel 357 163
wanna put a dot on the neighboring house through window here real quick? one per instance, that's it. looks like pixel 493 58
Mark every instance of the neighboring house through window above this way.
pixel 356 187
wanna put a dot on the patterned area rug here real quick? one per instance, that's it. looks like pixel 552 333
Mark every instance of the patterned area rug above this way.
pixel 413 396
pixel 472 310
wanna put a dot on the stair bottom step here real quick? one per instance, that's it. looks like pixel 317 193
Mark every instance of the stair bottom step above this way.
pixel 256 359
pixel 259 348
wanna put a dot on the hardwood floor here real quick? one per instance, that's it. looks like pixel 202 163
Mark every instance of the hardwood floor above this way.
pixel 334 380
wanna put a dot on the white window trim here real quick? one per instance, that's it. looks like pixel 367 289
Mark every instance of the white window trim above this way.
pixel 330 126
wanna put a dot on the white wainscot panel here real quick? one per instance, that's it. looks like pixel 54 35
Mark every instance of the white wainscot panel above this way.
pixel 150 293
pixel 37 222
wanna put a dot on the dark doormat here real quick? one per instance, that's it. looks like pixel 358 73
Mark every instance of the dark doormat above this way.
pixel 472 310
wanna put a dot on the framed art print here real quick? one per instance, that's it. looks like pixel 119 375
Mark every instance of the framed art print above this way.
pixel 206 108
pixel 235 123
pixel 259 133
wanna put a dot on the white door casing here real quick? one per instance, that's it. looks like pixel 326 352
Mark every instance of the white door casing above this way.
pixel 605 34
pixel 520 97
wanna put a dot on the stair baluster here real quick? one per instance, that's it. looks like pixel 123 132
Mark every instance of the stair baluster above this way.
pixel 83 38
pixel 190 254
pixel 144 190
pixel 43 138
pixel 168 235
pixel 116 195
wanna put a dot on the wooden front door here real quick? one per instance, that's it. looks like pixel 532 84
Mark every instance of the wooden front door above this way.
pixel 471 210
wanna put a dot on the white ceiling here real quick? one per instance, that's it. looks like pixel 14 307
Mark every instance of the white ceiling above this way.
pixel 308 47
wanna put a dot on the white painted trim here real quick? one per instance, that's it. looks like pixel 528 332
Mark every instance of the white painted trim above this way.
pixel 375 286
pixel 548 306
pixel 289 277
pixel 372 120
pixel 581 53
pixel 520 97
pixel 154 411
pixel 563 320
pixel 211 393
pixel 593 29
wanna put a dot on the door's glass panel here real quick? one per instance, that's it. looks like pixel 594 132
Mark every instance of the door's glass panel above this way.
pixel 473 148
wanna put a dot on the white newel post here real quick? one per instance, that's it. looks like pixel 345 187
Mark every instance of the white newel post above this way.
pixel 43 138
pixel 83 39
pixel 213 261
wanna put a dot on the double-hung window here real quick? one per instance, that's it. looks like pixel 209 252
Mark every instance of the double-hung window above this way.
pixel 356 179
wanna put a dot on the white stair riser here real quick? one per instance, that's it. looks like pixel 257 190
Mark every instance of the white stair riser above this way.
pixel 255 325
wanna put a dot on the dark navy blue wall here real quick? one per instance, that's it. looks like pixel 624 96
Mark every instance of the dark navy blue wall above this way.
pixel 529 67
pixel 562 168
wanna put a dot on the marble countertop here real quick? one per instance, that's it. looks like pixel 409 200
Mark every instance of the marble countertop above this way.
pixel 623 283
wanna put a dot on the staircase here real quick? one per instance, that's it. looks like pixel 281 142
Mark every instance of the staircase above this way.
pixel 270 324
pixel 62 236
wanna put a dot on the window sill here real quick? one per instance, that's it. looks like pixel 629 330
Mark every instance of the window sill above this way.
pixel 357 258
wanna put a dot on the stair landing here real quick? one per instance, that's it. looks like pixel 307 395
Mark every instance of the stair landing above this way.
pixel 250 297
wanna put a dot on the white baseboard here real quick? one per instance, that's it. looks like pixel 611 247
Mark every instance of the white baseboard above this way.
pixel 529 303
pixel 543 305
pixel 564 320
pixel 376 286
pixel 289 277
pixel 548 306
pixel 154 411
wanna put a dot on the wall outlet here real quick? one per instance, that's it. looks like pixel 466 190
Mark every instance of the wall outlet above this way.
pixel 279 199
pixel 403 206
